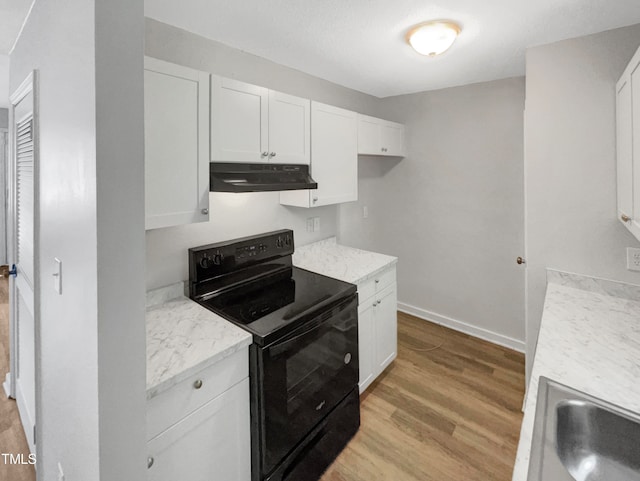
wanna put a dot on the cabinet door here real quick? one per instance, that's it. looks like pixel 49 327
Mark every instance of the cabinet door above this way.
pixel 624 132
pixel 635 97
pixel 366 345
pixel 289 129
pixel 239 121
pixel 386 327
pixel 392 135
pixel 335 154
pixel 211 444
pixel 369 135
pixel 334 159
pixel 176 115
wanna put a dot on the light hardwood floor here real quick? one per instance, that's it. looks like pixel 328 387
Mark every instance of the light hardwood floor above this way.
pixel 450 414
pixel 12 439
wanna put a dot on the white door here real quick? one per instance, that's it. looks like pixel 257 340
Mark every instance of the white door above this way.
pixel 176 140
pixel 289 129
pixel 335 154
pixel 239 121
pixel 369 135
pixel 635 103
pixel 392 138
pixel 386 327
pixel 23 246
pixel 366 346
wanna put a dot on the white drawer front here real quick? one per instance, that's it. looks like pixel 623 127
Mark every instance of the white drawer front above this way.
pixel 175 403
pixel 385 279
pixel 376 284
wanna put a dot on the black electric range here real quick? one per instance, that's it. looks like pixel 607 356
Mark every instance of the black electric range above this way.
pixel 304 359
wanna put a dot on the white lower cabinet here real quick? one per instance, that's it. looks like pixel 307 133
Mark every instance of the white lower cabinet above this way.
pixel 199 429
pixel 377 325
pixel 366 347
pixel 212 443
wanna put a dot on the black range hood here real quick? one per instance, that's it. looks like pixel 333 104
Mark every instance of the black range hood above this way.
pixel 236 177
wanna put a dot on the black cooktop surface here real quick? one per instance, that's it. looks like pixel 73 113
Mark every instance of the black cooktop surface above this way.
pixel 274 305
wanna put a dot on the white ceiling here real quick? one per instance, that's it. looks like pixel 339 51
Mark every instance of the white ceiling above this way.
pixel 361 43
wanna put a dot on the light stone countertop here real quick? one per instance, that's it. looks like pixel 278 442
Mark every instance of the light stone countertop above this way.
pixel 589 340
pixel 347 264
pixel 184 338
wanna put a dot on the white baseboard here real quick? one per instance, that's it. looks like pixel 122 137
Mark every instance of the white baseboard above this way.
pixel 7 385
pixel 456 325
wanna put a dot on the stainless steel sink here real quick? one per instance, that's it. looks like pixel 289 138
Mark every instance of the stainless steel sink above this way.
pixel 577 437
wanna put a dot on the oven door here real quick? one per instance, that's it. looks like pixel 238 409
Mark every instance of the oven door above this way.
pixel 304 376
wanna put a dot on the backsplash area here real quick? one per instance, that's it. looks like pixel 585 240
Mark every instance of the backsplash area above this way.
pixel 231 216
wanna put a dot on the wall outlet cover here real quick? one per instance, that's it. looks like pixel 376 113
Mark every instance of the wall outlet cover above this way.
pixel 310 224
pixel 316 224
pixel 633 259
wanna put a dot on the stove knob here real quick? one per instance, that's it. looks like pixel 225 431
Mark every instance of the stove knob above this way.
pixel 287 241
pixel 279 242
pixel 217 258
pixel 205 262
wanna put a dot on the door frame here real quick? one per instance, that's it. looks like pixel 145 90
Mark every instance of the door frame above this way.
pixel 28 86
pixel 4 172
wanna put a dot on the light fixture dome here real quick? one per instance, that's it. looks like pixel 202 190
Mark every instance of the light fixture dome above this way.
pixel 433 38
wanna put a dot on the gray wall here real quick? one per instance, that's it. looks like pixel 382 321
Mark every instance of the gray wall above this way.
pixel 570 166
pixel 234 215
pixel 91 345
pixel 452 209
pixel 4 118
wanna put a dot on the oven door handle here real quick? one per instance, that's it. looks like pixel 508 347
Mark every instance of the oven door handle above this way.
pixel 280 346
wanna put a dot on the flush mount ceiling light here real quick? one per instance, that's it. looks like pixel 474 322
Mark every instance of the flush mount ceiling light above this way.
pixel 433 38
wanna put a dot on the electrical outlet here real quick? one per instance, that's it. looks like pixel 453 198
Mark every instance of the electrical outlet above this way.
pixel 60 473
pixel 633 259
pixel 310 224
pixel 316 224
pixel 365 212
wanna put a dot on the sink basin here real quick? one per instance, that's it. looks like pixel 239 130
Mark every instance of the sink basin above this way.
pixel 577 437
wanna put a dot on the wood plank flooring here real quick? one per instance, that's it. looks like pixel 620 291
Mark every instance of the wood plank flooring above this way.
pixel 448 414
pixel 12 439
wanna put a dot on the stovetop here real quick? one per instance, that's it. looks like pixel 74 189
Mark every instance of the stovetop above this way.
pixel 272 306
pixel 252 283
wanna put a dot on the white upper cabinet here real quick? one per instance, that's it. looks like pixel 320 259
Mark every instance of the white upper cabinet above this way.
pixel 176 115
pixel 334 159
pixel 380 137
pixel 255 125
pixel 628 145
pixel 289 129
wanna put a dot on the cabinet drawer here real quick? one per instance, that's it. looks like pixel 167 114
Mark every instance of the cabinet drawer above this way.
pixel 376 284
pixel 211 444
pixel 175 403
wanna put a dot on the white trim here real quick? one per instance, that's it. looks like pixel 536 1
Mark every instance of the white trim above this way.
pixel 6 385
pixel 460 326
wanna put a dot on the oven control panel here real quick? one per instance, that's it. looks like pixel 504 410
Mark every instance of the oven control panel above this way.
pixel 212 260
